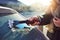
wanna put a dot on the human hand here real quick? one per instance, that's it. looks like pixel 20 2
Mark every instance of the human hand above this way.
pixel 34 21
pixel 56 21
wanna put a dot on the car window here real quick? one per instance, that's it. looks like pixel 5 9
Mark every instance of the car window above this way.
pixel 4 18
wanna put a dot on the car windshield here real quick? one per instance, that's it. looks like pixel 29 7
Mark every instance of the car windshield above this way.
pixel 5 17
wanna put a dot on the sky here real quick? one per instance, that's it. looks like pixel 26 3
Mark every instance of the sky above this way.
pixel 29 2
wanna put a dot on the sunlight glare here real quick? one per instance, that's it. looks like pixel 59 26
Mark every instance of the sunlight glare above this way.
pixel 29 2
pixel 45 2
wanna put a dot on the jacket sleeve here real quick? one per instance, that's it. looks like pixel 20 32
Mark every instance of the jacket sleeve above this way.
pixel 45 19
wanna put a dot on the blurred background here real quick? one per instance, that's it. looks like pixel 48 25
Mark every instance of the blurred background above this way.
pixel 27 8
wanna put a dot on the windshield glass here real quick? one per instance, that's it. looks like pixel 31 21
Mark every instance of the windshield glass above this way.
pixel 4 19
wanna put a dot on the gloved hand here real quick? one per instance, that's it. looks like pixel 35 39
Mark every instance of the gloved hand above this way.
pixel 34 21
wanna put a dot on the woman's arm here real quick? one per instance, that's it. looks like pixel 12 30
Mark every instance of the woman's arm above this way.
pixel 46 19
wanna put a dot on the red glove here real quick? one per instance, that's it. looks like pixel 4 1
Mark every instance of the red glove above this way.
pixel 34 21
